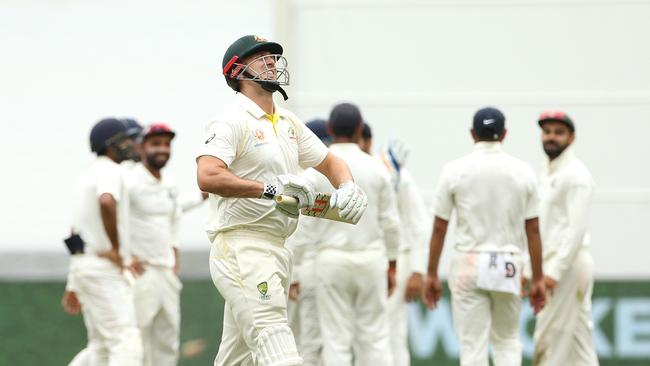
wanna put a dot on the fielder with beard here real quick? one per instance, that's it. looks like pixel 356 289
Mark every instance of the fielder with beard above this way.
pixel 564 330
pixel 154 218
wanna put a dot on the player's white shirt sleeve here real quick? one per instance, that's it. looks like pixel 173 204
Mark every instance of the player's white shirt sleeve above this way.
pixel 110 180
pixel 444 201
pixel 532 199
pixel 188 202
pixel 222 140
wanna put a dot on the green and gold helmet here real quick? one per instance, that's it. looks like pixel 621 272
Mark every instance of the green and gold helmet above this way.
pixel 273 72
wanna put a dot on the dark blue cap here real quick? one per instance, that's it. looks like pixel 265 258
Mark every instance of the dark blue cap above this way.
pixel 319 128
pixel 104 132
pixel 489 123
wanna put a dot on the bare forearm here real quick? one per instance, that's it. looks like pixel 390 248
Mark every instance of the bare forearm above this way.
pixel 436 244
pixel 534 248
pixel 108 209
pixel 335 169
pixel 213 176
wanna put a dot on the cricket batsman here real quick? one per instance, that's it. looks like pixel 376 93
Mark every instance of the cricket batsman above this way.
pixel 495 199
pixel 564 329
pixel 154 219
pixel 96 281
pixel 251 153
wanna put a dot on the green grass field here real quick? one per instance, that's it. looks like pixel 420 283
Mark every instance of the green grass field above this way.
pixel 36 331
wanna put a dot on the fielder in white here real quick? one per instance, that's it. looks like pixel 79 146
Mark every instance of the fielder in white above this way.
pixel 495 199
pixel 564 329
pixel 352 261
pixel 304 282
pixel 154 218
pixel 412 257
pixel 96 283
pixel 253 152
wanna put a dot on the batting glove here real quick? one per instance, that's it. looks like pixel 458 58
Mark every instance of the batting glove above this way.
pixel 351 201
pixel 290 185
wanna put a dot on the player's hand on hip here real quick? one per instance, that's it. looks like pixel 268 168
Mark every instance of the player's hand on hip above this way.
pixel 537 295
pixel 351 201
pixel 294 291
pixel 550 285
pixel 114 256
pixel 432 291
pixel 414 287
pixel 70 303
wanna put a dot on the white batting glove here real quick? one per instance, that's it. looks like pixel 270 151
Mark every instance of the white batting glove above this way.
pixel 294 186
pixel 351 201
pixel 398 152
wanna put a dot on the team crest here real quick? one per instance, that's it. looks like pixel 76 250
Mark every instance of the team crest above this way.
pixel 259 39
pixel 292 133
pixel 263 288
pixel 260 138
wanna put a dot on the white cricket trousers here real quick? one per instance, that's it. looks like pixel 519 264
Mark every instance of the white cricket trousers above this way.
pixel 158 314
pixel 397 317
pixel 482 316
pixel 351 297
pixel 564 329
pixel 107 306
pixel 251 271
pixel 306 324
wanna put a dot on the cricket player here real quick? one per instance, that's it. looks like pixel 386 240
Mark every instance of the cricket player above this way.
pixel 495 199
pixel 411 260
pixel 304 281
pixel 96 281
pixel 352 261
pixel 154 218
pixel 252 152
pixel 564 329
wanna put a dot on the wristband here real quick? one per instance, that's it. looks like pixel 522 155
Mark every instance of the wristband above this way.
pixel 270 191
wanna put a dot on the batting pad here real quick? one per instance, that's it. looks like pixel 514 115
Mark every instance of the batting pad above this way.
pixel 276 347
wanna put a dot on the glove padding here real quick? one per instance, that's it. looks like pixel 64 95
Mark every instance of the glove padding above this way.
pixel 395 153
pixel 298 187
pixel 398 153
pixel 351 201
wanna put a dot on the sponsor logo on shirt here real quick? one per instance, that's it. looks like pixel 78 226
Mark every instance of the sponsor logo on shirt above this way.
pixel 210 138
pixel 263 288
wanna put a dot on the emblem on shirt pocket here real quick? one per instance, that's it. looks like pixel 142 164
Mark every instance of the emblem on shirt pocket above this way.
pixel 263 288
pixel 260 139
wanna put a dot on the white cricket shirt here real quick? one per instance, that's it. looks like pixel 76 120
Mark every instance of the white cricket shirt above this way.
pixel 378 228
pixel 154 216
pixel 493 194
pixel 103 176
pixel 259 147
pixel 566 191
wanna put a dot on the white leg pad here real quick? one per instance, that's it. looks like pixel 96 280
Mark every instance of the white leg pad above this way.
pixel 277 347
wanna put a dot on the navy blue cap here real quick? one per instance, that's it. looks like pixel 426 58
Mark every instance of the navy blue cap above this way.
pixel 319 128
pixel 104 132
pixel 489 123
pixel 367 131
pixel 133 128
